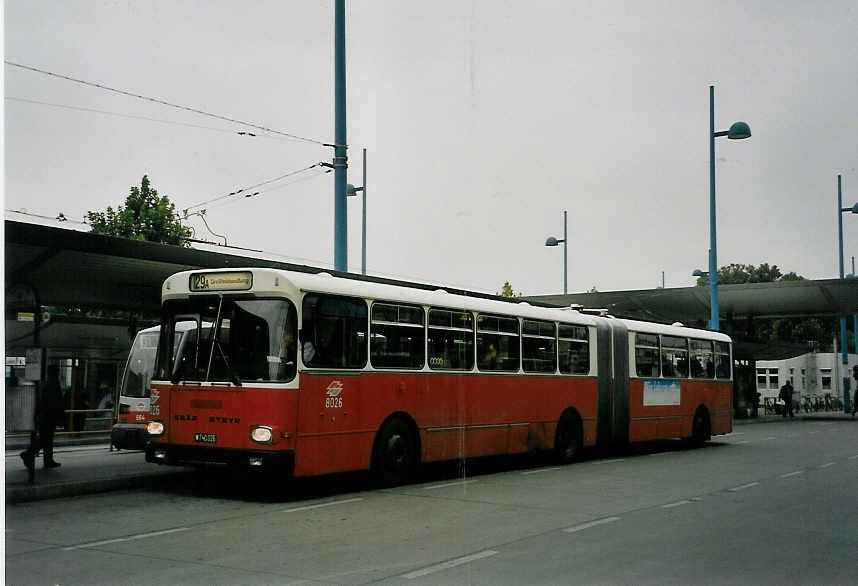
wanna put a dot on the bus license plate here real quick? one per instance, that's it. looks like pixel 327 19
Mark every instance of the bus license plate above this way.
pixel 206 438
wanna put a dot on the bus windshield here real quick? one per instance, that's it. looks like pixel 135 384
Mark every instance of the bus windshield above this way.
pixel 141 364
pixel 227 339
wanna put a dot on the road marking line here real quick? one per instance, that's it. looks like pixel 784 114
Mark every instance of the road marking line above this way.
pixel 129 538
pixel 460 483
pixel 743 442
pixel 660 454
pixel 676 504
pixel 788 474
pixel 743 487
pixel 827 464
pixel 540 470
pixel 736 433
pixel 855 457
pixel 829 423
pixel 610 461
pixel 766 439
pixel 319 506
pixel 451 564
pixel 590 524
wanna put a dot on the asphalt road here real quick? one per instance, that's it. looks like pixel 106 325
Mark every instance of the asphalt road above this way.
pixel 774 503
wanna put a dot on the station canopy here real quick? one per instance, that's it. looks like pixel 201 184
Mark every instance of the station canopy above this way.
pixel 690 305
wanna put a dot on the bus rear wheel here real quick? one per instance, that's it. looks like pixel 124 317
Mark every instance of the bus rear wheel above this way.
pixel 395 457
pixel 567 439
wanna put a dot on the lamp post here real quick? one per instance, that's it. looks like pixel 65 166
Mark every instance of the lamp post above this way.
pixel 844 357
pixel 351 191
pixel 552 241
pixel 737 131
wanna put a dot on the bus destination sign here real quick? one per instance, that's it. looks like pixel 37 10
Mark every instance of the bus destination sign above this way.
pixel 239 281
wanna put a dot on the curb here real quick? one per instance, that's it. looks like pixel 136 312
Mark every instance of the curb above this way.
pixel 37 492
pixel 776 418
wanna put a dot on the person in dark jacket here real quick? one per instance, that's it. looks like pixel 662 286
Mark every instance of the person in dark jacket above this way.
pixel 786 395
pixel 49 410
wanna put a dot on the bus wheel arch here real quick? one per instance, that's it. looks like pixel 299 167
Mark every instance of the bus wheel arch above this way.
pixel 569 436
pixel 701 426
pixel 396 450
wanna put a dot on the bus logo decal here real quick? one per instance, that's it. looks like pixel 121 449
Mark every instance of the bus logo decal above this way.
pixel 332 396
pixel 335 388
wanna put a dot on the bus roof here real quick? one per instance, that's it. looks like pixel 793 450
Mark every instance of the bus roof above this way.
pixel 276 282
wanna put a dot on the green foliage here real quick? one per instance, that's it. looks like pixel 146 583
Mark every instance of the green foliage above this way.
pixel 145 216
pixel 734 274
pixel 506 291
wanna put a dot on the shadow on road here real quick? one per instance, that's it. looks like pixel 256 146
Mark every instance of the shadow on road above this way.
pixel 222 482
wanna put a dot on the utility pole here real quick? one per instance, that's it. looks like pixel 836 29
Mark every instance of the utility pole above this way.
pixel 341 255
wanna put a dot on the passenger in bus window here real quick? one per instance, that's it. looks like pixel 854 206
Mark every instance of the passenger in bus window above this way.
pixel 489 361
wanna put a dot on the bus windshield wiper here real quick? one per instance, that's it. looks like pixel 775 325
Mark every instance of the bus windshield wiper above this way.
pixel 233 376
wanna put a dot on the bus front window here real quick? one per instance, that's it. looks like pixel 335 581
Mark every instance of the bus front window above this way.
pixel 237 340
pixel 141 364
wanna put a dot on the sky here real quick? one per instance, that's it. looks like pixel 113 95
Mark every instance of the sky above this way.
pixel 483 121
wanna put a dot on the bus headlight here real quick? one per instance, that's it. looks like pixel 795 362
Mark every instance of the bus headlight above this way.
pixel 262 434
pixel 155 428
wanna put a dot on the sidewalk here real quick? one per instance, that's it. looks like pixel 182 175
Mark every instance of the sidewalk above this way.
pixel 817 416
pixel 85 470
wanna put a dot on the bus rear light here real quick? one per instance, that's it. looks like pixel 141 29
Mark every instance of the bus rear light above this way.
pixel 155 428
pixel 262 434
pixel 255 461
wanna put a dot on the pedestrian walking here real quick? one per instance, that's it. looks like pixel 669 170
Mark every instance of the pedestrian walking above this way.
pixel 855 396
pixel 49 410
pixel 786 395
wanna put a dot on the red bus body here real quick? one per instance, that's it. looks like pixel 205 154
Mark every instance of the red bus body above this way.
pixel 328 420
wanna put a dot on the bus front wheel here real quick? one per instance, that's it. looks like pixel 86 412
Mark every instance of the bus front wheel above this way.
pixel 394 454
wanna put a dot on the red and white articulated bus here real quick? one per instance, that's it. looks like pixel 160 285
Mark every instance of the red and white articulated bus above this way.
pixel 315 374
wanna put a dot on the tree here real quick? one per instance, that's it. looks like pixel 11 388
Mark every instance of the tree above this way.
pixel 733 274
pixel 506 291
pixel 145 216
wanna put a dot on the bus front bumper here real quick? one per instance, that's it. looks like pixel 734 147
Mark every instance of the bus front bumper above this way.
pixel 282 461
pixel 129 436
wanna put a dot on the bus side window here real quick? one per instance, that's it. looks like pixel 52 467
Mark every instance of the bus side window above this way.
pixel 497 343
pixel 646 355
pixel 334 332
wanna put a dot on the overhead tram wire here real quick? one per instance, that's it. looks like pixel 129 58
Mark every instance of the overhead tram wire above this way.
pixel 264 191
pixel 60 217
pixel 166 103
pixel 243 191
pixel 132 116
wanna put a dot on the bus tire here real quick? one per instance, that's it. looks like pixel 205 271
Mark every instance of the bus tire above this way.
pixel 567 438
pixel 395 457
pixel 701 428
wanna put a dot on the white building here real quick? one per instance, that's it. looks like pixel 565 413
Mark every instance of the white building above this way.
pixel 813 375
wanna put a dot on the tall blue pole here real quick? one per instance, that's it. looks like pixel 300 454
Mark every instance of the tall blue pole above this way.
pixel 855 315
pixel 844 357
pixel 363 223
pixel 565 264
pixel 340 159
pixel 713 250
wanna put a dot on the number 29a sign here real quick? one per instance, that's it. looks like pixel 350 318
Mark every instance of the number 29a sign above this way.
pixel 238 281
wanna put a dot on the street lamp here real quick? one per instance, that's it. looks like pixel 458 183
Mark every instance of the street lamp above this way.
pixel 552 241
pixel 844 358
pixel 737 131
